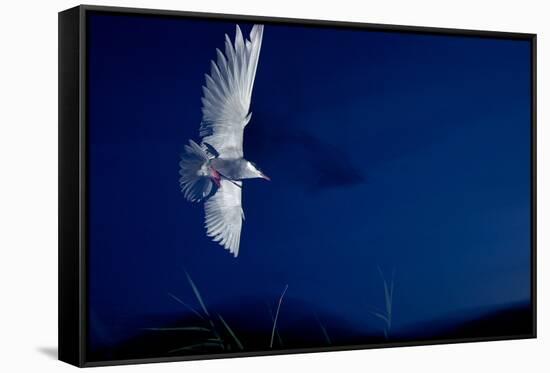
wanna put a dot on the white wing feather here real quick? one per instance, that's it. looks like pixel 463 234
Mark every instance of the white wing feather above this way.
pixel 225 113
pixel 224 216
pixel 228 91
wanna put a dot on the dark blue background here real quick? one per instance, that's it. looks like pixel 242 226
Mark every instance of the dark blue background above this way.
pixel 404 151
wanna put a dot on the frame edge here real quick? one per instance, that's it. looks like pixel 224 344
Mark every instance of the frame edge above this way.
pixel 534 183
pixel 72 180
pixel 69 221
pixel 387 27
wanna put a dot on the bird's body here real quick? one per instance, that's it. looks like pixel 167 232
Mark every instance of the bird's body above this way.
pixel 213 171
pixel 235 169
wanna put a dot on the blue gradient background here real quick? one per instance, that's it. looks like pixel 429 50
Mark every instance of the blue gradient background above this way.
pixel 410 152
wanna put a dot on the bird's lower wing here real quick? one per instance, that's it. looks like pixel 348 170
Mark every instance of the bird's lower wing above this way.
pixel 224 215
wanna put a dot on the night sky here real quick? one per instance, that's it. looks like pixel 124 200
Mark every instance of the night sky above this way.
pixel 399 151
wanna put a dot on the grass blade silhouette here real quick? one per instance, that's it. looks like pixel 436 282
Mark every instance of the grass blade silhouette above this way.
pixel 388 302
pixel 183 328
pixel 233 335
pixel 197 294
pixel 194 346
pixel 277 316
pixel 272 320
pixel 203 306
pixel 194 311
pixel 323 329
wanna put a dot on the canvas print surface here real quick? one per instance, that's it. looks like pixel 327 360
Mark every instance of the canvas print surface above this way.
pixel 267 187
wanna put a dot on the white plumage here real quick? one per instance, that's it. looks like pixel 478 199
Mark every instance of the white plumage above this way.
pixel 228 91
pixel 224 216
pixel 214 171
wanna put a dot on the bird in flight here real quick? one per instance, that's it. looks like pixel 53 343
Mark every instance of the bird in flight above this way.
pixel 213 171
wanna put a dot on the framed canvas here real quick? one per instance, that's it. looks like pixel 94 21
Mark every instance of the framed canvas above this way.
pixel 235 186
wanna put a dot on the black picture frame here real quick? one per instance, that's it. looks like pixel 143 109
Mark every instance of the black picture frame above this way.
pixel 73 202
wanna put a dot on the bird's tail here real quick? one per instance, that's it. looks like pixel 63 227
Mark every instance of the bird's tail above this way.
pixel 195 181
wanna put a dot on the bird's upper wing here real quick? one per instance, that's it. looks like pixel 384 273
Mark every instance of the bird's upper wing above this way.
pixel 224 215
pixel 227 93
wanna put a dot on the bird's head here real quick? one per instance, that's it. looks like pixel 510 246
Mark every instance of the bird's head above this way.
pixel 254 172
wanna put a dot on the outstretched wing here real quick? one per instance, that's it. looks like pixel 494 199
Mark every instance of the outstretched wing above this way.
pixel 224 215
pixel 227 94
